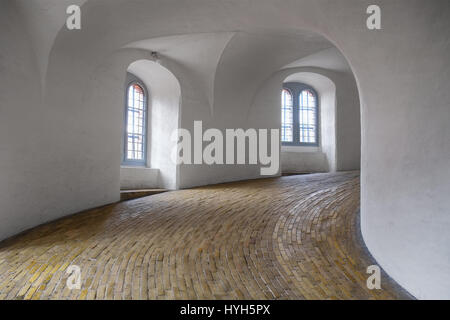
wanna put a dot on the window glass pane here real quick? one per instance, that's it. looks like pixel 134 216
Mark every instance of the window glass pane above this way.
pixel 287 117
pixel 135 123
pixel 307 117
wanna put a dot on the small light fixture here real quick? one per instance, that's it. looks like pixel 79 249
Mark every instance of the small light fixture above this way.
pixel 155 57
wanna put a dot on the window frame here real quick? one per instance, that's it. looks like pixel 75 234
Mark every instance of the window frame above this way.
pixel 296 88
pixel 132 80
pixel 282 107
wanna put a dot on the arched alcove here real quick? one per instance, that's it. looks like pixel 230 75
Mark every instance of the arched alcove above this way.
pixel 321 158
pixel 163 104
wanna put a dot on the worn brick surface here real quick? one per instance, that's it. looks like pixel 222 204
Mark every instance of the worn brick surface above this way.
pixel 294 237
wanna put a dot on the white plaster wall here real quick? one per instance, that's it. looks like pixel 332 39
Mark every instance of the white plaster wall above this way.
pixel 134 178
pixel 348 123
pixel 328 115
pixel 43 19
pixel 403 78
pixel 21 148
pixel 303 162
pixel 67 156
pixel 329 59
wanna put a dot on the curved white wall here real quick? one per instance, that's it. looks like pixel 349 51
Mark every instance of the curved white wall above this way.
pixel 21 131
pixel 66 157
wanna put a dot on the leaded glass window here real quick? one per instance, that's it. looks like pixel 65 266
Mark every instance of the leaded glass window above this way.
pixel 135 126
pixel 307 117
pixel 299 115
pixel 287 118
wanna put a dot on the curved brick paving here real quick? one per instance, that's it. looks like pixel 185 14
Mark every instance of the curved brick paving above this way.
pixel 293 237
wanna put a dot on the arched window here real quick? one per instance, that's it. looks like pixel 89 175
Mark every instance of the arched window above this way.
pixel 135 125
pixel 307 117
pixel 287 124
pixel 303 119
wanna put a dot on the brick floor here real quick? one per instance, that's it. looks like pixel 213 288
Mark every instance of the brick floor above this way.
pixel 294 237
